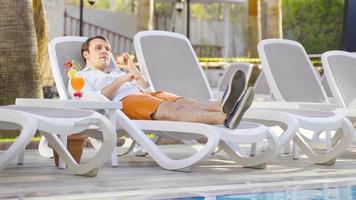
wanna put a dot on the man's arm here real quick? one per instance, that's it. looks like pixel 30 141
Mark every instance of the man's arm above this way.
pixel 141 80
pixel 110 90
pixel 127 64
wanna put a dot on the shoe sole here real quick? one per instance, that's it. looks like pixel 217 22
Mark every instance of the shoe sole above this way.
pixel 245 103
pixel 228 103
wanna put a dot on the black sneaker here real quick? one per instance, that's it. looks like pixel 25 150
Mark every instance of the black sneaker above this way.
pixel 233 92
pixel 234 117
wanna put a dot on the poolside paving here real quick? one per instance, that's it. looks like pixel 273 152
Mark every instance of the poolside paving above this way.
pixel 140 178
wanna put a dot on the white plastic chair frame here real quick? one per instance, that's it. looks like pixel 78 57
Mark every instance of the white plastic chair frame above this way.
pixel 229 70
pixel 128 144
pixel 311 120
pixel 15 120
pixel 54 123
pixel 329 75
pixel 262 91
pixel 289 123
pixel 341 84
pixel 134 128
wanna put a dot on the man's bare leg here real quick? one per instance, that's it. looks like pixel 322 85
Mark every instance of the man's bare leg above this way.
pixel 214 106
pixel 183 111
pixel 233 93
pixel 179 112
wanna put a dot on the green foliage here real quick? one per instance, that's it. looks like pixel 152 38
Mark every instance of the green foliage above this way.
pixel 126 6
pixel 121 5
pixel 103 4
pixel 163 9
pixel 203 11
pixel 13 139
pixel 209 11
pixel 12 134
pixel 317 24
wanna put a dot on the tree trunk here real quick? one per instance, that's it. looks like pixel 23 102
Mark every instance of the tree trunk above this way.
pixel 274 19
pixel 254 27
pixel 145 15
pixel 42 43
pixel 18 52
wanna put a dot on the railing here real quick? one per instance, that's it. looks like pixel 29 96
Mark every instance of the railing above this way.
pixel 119 43
pixel 164 22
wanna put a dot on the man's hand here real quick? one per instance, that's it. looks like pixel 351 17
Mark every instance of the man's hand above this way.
pixel 110 90
pixel 125 62
pixel 133 76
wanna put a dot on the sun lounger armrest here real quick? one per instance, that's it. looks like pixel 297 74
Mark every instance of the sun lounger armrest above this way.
pixel 294 105
pixel 80 104
pixel 94 96
pixel 353 105
pixel 318 106
pixel 350 113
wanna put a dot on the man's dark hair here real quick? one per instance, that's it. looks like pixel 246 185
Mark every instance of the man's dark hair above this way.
pixel 85 45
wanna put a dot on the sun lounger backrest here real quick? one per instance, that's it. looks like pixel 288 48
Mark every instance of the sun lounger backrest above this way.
pixel 62 49
pixel 326 86
pixel 176 70
pixel 231 68
pixel 289 72
pixel 261 85
pixel 340 71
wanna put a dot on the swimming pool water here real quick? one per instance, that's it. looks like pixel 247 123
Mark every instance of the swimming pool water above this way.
pixel 342 193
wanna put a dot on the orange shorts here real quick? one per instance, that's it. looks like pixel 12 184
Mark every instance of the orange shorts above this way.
pixel 143 106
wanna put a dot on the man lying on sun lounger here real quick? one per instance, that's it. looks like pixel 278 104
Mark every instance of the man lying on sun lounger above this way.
pixel 128 87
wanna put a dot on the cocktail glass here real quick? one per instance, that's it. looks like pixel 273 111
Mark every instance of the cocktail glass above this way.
pixel 77 83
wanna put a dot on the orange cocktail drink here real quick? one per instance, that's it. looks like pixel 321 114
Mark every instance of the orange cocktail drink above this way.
pixel 77 83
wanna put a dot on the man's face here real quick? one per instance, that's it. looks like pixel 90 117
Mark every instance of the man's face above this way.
pixel 98 54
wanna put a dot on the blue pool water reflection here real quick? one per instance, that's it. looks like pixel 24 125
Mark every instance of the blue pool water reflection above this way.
pixel 342 193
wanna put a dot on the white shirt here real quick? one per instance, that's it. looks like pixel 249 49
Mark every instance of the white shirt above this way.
pixel 97 80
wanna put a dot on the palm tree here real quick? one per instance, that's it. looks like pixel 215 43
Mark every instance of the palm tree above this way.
pixel 254 27
pixel 18 52
pixel 145 13
pixel 42 42
pixel 274 19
